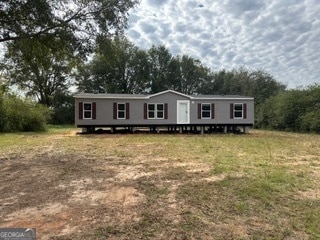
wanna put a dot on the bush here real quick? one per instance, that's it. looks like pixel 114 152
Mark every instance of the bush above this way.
pixel 310 122
pixel 63 109
pixel 22 115
pixel 294 110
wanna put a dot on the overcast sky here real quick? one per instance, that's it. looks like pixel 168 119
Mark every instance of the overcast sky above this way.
pixel 281 37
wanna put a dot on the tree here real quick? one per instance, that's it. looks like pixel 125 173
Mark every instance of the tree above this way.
pixel 117 66
pixel 264 86
pixel 18 114
pixel 62 108
pixel 310 120
pixel 294 110
pixel 37 18
pixel 160 62
pixel 39 69
pixel 18 119
pixel 3 90
pixel 187 75
pixel 42 37
pixel 218 83
pixel 256 83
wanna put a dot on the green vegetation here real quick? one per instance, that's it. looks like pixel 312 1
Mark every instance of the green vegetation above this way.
pixel 263 185
pixel 46 49
pixel 294 110
pixel 23 115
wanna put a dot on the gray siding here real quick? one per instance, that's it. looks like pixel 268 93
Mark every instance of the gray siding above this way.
pixel 104 110
pixel 222 112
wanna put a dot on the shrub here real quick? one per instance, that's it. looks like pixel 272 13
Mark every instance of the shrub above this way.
pixel 294 110
pixel 62 109
pixel 310 122
pixel 22 115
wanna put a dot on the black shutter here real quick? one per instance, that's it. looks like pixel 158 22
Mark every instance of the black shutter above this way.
pixel 231 110
pixel 244 111
pixel 80 110
pixel 166 111
pixel 94 110
pixel 212 111
pixel 127 110
pixel 114 110
pixel 145 111
pixel 199 110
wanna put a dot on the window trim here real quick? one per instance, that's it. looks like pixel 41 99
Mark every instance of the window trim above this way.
pixel 124 111
pixel 156 110
pixel 85 111
pixel 210 110
pixel 234 110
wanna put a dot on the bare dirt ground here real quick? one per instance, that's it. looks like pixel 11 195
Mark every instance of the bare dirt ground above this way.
pixel 114 187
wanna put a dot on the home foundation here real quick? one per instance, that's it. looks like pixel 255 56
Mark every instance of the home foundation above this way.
pixel 177 128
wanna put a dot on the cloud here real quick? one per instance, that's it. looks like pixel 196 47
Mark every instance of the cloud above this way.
pixel 156 3
pixel 281 37
pixel 147 28
pixel 239 7
pixel 133 34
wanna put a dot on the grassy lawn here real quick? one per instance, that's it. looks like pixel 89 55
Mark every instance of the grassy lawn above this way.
pixel 262 185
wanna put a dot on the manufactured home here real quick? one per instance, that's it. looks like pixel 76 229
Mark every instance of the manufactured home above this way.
pixel 168 110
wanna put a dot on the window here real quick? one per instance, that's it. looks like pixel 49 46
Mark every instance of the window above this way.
pixel 155 111
pixel 87 110
pixel 238 110
pixel 121 111
pixel 160 111
pixel 205 110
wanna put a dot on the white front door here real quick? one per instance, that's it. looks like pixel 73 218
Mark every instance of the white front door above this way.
pixel 183 112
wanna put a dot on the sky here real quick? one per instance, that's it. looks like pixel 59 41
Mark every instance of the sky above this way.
pixel 281 37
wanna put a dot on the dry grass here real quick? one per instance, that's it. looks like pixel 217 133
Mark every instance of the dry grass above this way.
pixel 264 185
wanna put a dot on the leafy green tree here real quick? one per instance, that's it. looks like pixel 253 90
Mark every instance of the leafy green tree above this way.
pixel 310 120
pixel 40 70
pixel 22 115
pixel 160 62
pixel 117 66
pixel 62 109
pixel 294 110
pixel 42 37
pixel 2 92
pixel 18 114
pixel 187 75
pixel 264 86
pixel 218 83
pixel 37 18
pixel 258 84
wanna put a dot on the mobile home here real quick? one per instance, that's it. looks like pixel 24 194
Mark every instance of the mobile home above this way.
pixel 169 110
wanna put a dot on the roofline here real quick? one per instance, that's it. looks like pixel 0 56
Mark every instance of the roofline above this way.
pixel 138 97
pixel 223 98
pixel 98 96
pixel 172 91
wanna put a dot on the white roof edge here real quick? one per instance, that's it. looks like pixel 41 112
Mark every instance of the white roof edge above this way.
pixel 172 91
pixel 109 97
pixel 224 98
pixel 127 96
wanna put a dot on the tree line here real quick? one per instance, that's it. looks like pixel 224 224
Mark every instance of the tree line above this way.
pixel 295 110
pixel 47 44
pixel 118 66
